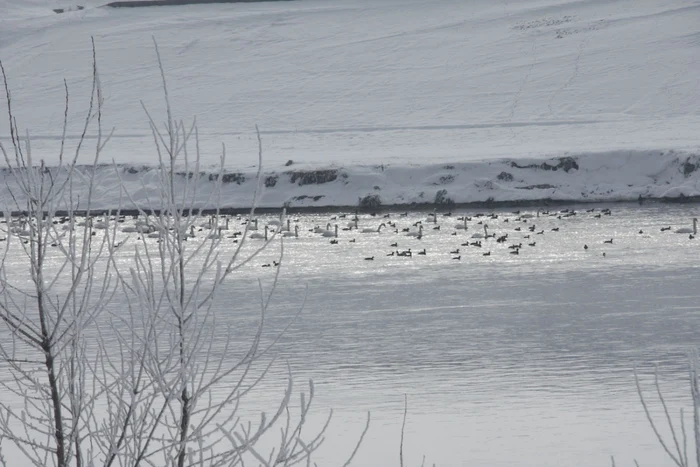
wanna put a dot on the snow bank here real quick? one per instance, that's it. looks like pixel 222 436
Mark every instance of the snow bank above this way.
pixel 590 177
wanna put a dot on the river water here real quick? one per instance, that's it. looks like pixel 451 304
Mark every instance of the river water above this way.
pixel 506 360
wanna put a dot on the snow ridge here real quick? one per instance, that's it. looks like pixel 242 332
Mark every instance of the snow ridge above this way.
pixel 590 177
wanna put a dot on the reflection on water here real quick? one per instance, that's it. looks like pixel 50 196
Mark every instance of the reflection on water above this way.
pixel 506 359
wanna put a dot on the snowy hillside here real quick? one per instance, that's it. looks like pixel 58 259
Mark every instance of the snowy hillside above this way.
pixel 386 92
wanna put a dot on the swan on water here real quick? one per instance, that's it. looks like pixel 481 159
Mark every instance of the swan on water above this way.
pixel 331 233
pixel 685 230
pixel 418 233
pixel 320 230
pixel 484 235
pixel 287 233
pixel 259 235
pixel 529 216
pixel 377 230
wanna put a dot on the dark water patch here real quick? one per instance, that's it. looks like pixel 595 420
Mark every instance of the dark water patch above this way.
pixel 385 208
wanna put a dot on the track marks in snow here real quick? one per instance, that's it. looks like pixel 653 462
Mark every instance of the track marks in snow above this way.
pixel 372 129
pixel 523 83
pixel 572 78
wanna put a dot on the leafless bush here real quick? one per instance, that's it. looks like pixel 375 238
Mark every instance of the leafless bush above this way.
pixel 136 381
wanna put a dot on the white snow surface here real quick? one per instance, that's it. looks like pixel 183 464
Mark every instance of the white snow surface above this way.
pixel 399 98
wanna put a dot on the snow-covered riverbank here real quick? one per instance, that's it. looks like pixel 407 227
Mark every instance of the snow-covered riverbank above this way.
pixel 390 102
pixel 602 177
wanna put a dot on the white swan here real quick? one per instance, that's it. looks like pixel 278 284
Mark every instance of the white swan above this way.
pixel 484 235
pixel 287 233
pixel 331 233
pixel 186 233
pixel 258 235
pixel 418 233
pixel 462 226
pixel 208 224
pixel 320 230
pixel 530 216
pixel 687 230
pixel 377 230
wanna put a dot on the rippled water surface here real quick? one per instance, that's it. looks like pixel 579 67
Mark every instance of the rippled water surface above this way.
pixel 506 359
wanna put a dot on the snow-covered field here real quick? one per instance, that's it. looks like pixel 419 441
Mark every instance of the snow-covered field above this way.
pixel 401 98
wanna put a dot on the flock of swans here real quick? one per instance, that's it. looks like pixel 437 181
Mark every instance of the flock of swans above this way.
pixel 485 234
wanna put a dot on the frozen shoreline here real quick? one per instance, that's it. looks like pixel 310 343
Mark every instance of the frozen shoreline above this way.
pixel 618 176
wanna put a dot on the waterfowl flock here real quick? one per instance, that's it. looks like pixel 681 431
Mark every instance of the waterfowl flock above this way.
pixel 464 237
pixel 458 237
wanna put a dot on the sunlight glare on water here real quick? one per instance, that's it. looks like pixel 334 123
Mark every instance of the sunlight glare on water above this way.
pixel 506 359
